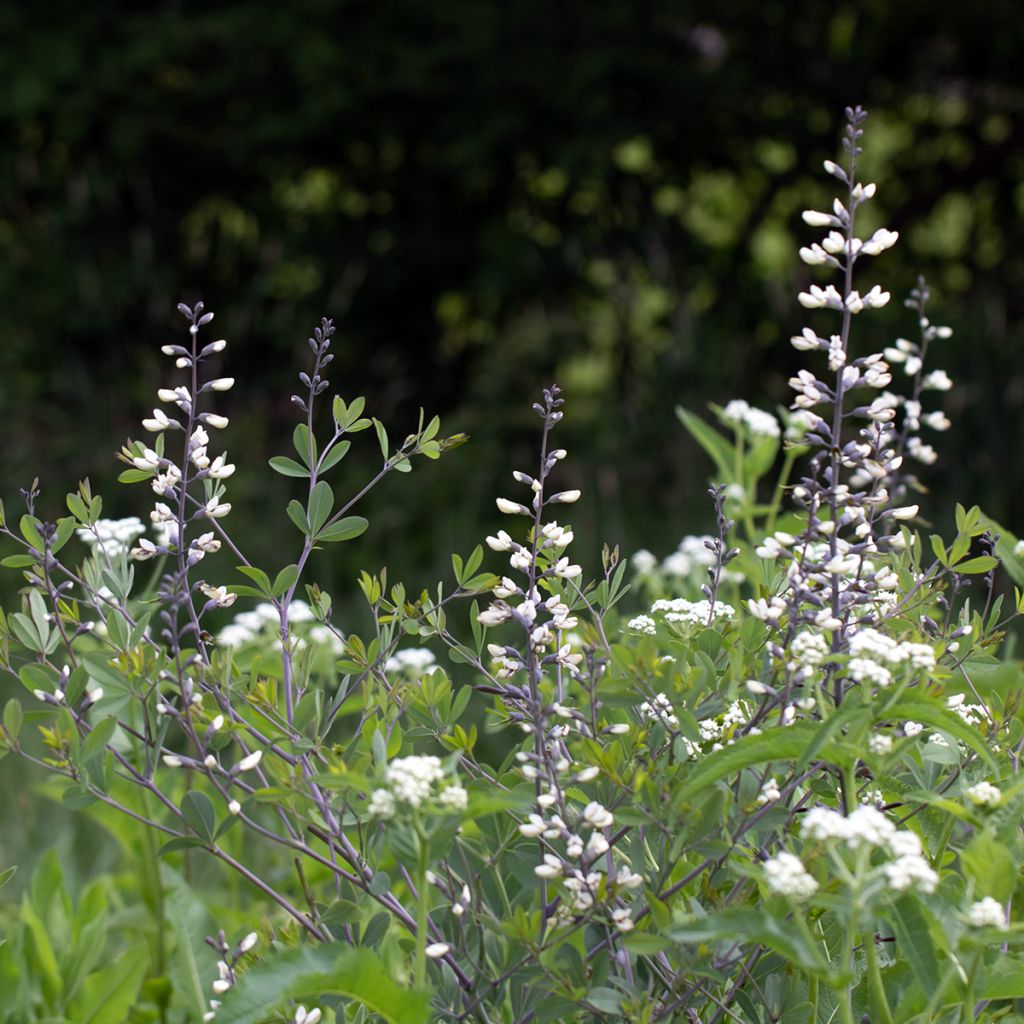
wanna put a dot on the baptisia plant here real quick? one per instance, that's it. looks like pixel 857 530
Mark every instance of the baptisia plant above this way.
pixel 781 785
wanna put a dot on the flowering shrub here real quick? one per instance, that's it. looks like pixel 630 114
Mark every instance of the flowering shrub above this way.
pixel 778 781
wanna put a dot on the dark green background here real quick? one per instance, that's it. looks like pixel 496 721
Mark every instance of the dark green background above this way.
pixel 488 197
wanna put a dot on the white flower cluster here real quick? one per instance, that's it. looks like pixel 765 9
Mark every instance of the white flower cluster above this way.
pixel 413 781
pixel 112 536
pixel 681 612
pixel 659 708
pixel 642 624
pixel 263 625
pixel 413 661
pixel 690 560
pixel 987 913
pixel 984 794
pixel 719 730
pixel 786 875
pixel 869 827
pixel 972 714
pixel 738 413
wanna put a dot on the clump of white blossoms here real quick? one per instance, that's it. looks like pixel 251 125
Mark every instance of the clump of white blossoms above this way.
pixel 739 414
pixel 786 875
pixel 689 562
pixel 987 913
pixel 984 794
pixel 415 782
pixel 869 828
pixel 683 613
pixel 262 626
pixel 112 536
pixel 412 661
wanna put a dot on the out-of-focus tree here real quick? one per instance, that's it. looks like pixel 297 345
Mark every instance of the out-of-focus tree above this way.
pixel 488 197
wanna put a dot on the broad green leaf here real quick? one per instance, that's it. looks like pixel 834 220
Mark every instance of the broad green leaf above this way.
pixel 38 677
pixel 756 926
pixel 180 843
pixel 297 514
pixel 284 579
pixel 1004 979
pixel 1006 547
pixel 191 961
pixel 711 441
pixel 311 973
pixel 605 999
pixel 197 810
pixel 779 744
pixel 65 530
pixel 914 943
pixel 335 455
pixel 321 502
pixel 108 996
pixel 991 865
pixel 305 444
pixel 258 576
pixel 983 563
pixel 917 707
pixel 288 467
pixel 13 717
pixel 18 561
pixel 30 530
pixel 382 437
pixel 343 529
pixel 97 740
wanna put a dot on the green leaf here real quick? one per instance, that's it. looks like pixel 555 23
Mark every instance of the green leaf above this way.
pixel 1003 980
pixel 991 865
pixel 18 561
pixel 607 1000
pixel 65 530
pixel 914 943
pixel 711 441
pixel 258 576
pixel 335 455
pixel 30 530
pixel 284 579
pixel 1006 549
pixel 314 972
pixel 382 437
pixel 343 529
pixel 287 467
pixel 179 843
pixel 97 740
pixel 192 960
pixel 135 476
pixel 13 717
pixel 915 706
pixel 6 876
pixel 297 514
pixel 321 502
pixel 781 744
pixel 305 444
pixel 198 812
pixel 108 996
pixel 983 563
pixel 756 926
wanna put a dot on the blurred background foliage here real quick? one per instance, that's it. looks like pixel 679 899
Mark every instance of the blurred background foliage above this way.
pixel 489 197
